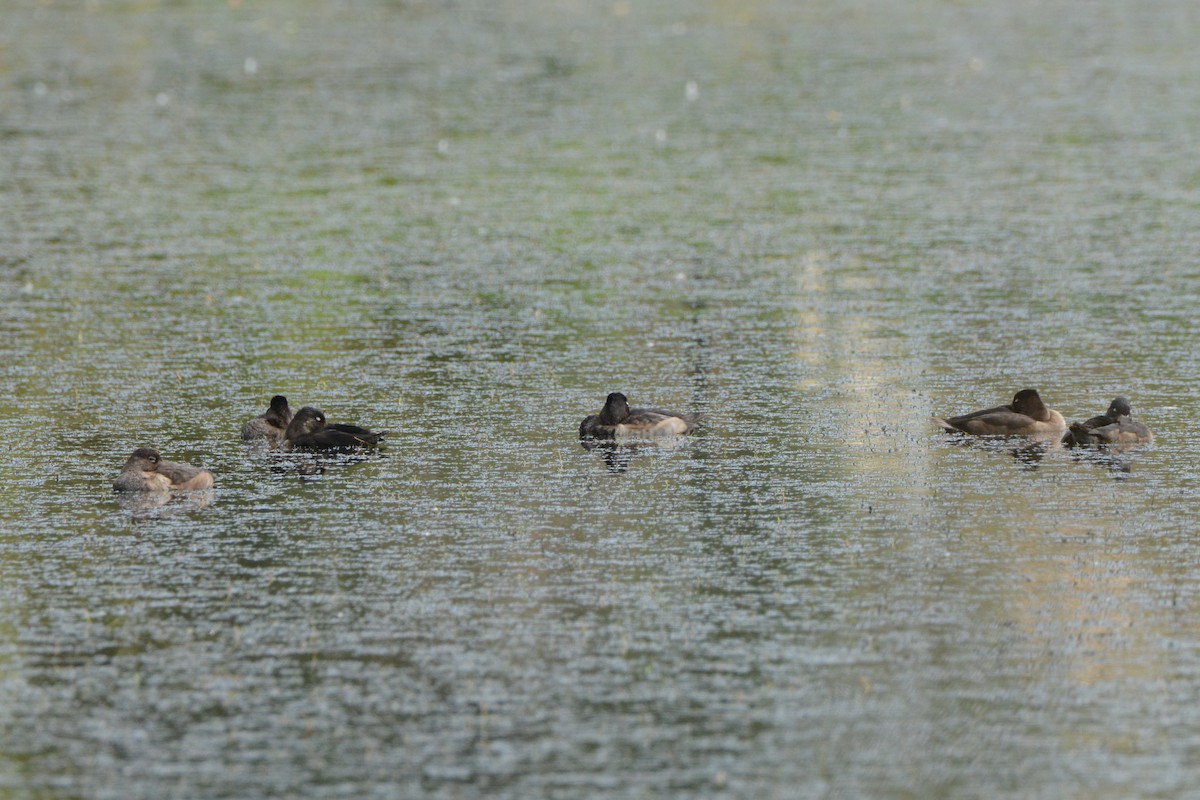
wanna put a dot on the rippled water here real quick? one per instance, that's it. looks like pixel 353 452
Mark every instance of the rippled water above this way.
pixel 466 223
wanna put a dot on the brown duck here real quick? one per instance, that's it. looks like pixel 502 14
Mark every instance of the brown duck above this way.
pixel 1026 415
pixel 618 421
pixel 145 471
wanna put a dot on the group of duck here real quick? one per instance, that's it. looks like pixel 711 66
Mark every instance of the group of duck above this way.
pixel 1027 415
pixel 307 430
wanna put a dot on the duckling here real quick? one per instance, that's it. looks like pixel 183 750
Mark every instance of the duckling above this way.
pixel 1027 415
pixel 618 420
pixel 271 425
pixel 145 471
pixel 308 430
pixel 1115 426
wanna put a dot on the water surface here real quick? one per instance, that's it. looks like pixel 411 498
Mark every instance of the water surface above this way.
pixel 466 223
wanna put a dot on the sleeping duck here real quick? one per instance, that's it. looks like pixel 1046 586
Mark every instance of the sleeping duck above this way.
pixel 1026 415
pixel 308 430
pixel 1115 426
pixel 618 421
pixel 145 471
pixel 271 425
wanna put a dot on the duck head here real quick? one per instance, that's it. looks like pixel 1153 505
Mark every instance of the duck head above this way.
pixel 616 408
pixel 1029 403
pixel 144 459
pixel 279 413
pixel 1119 407
pixel 307 420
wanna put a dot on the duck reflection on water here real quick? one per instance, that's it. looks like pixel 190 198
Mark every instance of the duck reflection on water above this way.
pixel 618 455
pixel 311 464
pixel 143 506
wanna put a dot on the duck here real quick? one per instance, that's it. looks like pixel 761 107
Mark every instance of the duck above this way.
pixel 618 420
pixel 308 430
pixel 1026 415
pixel 145 471
pixel 1114 426
pixel 271 425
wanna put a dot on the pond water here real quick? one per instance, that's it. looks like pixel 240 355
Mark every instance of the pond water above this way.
pixel 466 223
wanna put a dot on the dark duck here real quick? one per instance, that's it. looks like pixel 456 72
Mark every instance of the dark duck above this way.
pixel 271 425
pixel 308 430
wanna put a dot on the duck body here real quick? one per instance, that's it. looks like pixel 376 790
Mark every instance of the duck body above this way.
pixel 145 471
pixel 1115 426
pixel 618 421
pixel 271 425
pixel 308 430
pixel 1026 415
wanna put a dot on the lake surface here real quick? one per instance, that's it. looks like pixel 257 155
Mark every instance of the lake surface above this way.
pixel 466 222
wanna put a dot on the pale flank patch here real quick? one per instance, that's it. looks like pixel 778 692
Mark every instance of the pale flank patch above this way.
pixel 668 426
pixel 203 480
pixel 156 482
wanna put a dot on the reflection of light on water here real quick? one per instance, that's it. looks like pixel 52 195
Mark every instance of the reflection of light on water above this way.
pixel 850 355
pixel 1080 604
